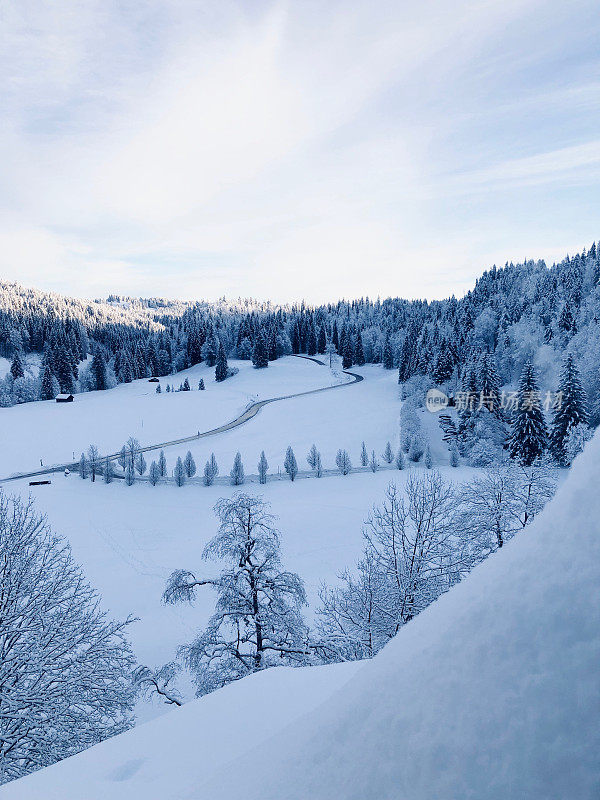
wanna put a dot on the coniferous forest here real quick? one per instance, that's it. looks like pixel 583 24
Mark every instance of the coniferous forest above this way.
pixel 516 315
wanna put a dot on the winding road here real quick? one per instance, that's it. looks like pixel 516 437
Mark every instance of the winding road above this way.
pixel 244 417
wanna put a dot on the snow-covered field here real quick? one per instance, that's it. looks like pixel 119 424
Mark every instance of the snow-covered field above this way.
pixel 53 432
pixel 491 692
pixel 129 539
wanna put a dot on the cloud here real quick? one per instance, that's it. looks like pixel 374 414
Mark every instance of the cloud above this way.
pixel 284 149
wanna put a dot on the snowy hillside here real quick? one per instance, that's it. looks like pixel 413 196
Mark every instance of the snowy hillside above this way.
pixel 492 692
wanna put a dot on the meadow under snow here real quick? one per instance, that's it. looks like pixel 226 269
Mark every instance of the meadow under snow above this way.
pixel 129 539
pixel 490 692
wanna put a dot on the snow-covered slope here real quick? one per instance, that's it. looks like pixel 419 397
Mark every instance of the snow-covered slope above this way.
pixel 491 693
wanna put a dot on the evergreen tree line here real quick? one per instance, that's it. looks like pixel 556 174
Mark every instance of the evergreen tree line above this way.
pixel 518 313
pixel 134 465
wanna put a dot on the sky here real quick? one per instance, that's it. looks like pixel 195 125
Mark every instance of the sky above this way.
pixel 294 150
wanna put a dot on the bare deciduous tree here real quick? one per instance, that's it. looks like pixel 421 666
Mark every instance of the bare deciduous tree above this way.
pixel 65 669
pixel 257 621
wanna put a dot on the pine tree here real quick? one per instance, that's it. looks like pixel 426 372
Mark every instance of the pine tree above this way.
pixel 162 464
pixel 201 384
pixel 388 454
pixel 311 347
pixel 237 471
pixel 343 462
pixel 189 465
pixel 359 353
pixel 318 466
pixel 179 472
pixel 263 468
pixel 260 357
pixel 16 368
pixel 347 352
pixel 489 384
pixel 374 463
pixel 83 466
pixel 528 438
pixel 211 470
pixel 98 369
pixel 322 341
pixel 387 357
pixel 335 337
pixel 140 463
pixel 210 350
pixel 158 389
pixel 364 456
pixel 48 383
pixel 428 458
pixel 399 461
pixel 571 408
pixel 311 458
pixel 154 473
pixel 221 365
pixel 290 464
pixel 186 385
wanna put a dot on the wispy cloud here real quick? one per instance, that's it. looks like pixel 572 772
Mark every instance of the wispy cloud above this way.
pixel 289 150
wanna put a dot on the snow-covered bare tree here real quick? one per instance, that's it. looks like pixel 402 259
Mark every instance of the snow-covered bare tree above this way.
pixel 65 667
pixel 93 459
pixel 151 682
pixel 349 625
pixel 108 470
pixel 411 542
pixel 501 501
pixel 257 621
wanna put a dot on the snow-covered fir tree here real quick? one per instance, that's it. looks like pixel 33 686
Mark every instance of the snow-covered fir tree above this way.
pixel 528 438
pixel 290 464
pixel 237 475
pixel 571 409
pixel 263 468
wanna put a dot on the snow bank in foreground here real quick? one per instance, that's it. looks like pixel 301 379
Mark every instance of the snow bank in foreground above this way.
pixel 491 693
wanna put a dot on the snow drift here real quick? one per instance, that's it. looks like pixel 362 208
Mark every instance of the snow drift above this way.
pixel 492 692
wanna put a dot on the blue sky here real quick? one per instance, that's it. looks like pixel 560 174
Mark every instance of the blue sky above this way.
pixel 290 150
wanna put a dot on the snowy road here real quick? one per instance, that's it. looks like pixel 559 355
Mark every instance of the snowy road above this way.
pixel 248 414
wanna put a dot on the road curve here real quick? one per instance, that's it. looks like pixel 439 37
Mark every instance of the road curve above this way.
pixel 244 417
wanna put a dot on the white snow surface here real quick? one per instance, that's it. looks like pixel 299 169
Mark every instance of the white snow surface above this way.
pixel 492 693
pixel 56 433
